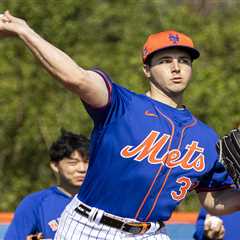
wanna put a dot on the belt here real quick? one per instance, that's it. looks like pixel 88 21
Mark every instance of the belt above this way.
pixel 130 227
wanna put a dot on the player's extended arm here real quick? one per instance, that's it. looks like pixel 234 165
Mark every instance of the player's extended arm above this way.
pixel 220 202
pixel 86 84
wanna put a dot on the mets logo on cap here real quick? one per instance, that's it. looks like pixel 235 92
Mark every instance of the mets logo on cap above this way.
pixel 174 38
pixel 171 38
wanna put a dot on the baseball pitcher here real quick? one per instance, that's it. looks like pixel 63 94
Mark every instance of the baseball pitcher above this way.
pixel 147 150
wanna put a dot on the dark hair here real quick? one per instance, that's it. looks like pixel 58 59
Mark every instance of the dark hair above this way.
pixel 66 144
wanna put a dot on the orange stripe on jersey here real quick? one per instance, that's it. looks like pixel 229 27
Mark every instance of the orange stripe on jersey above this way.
pixel 148 192
pixel 158 172
pixel 155 201
pixel 169 171
pixel 183 130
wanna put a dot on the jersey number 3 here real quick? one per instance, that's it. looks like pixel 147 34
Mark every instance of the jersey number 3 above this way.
pixel 185 183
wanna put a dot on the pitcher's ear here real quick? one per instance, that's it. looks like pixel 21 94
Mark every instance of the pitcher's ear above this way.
pixel 146 70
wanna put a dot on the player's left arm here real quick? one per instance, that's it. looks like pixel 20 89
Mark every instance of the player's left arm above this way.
pixel 220 202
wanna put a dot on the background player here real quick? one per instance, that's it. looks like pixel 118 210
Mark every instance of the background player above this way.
pixel 39 212
pixel 147 151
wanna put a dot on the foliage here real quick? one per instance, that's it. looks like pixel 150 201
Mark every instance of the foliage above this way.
pixel 108 34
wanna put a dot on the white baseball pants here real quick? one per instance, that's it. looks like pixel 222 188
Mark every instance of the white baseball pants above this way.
pixel 74 226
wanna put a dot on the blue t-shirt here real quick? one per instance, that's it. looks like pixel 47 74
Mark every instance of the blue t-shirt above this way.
pixel 38 212
pixel 145 156
pixel 231 224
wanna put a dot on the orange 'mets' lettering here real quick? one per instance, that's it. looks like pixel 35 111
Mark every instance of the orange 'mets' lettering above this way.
pixel 150 147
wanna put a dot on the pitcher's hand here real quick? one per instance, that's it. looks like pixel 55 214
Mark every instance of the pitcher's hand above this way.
pixel 11 26
pixel 213 227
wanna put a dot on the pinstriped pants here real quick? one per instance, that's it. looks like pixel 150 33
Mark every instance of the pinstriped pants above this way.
pixel 77 227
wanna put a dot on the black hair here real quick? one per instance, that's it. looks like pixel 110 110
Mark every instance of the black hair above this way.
pixel 66 144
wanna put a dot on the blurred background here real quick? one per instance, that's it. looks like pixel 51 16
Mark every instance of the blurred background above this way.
pixel 108 34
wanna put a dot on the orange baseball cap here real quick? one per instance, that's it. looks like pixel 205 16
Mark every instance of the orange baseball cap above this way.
pixel 168 39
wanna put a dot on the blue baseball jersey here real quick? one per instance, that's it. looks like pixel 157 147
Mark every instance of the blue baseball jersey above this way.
pixel 38 212
pixel 146 156
pixel 231 224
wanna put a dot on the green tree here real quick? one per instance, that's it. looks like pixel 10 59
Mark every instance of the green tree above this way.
pixel 108 34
